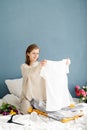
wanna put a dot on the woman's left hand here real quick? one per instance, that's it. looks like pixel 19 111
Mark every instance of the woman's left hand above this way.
pixel 68 61
pixel 43 62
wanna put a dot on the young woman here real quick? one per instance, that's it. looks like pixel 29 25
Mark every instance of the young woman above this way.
pixel 33 83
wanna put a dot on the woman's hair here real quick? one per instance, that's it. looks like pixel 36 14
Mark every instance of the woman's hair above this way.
pixel 28 50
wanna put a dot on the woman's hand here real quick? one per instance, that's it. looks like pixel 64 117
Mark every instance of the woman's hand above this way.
pixel 68 62
pixel 43 62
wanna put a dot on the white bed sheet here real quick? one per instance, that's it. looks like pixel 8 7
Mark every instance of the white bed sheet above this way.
pixel 38 122
pixel 41 123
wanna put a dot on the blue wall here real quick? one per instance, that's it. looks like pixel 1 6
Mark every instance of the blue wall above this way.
pixel 59 27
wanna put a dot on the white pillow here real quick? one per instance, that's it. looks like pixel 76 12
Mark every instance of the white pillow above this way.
pixel 14 86
pixel 12 99
pixel 1 101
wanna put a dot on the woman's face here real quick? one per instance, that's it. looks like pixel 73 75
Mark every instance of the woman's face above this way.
pixel 33 55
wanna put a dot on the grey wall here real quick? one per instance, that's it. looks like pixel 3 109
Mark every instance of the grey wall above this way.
pixel 59 27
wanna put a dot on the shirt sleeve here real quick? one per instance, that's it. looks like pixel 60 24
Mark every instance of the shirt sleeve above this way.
pixel 25 70
pixel 66 66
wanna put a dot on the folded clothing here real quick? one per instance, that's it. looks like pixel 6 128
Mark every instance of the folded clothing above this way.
pixel 65 114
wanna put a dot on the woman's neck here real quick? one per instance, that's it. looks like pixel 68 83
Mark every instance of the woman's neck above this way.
pixel 32 63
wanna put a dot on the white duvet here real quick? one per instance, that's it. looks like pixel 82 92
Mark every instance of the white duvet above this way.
pixel 41 123
pixel 34 122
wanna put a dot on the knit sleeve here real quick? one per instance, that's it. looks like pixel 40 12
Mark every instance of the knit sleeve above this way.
pixel 25 70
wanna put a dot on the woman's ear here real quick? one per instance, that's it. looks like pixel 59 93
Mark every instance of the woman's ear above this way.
pixel 27 54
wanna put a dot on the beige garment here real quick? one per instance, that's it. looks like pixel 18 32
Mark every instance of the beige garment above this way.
pixel 33 85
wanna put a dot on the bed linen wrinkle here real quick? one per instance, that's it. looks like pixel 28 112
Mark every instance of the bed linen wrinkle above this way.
pixel 42 123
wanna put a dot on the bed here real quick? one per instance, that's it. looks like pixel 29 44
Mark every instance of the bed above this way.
pixel 34 121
